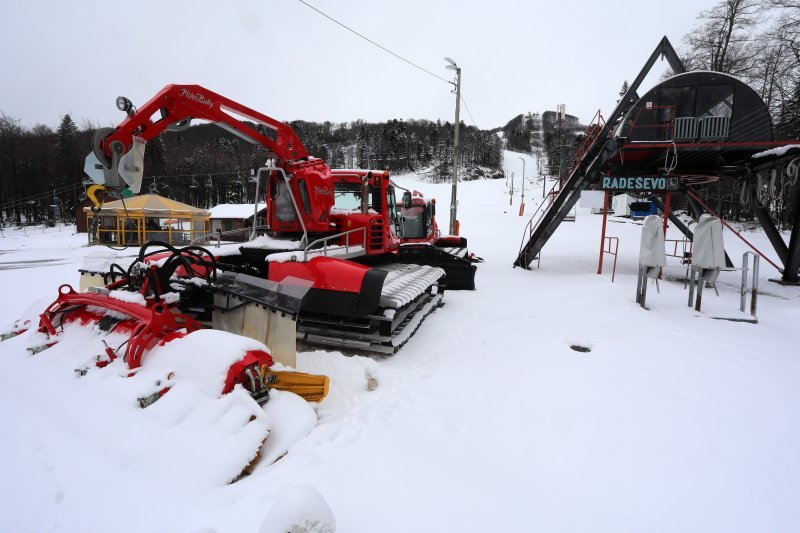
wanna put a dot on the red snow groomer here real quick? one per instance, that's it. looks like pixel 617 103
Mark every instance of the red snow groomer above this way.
pixel 372 273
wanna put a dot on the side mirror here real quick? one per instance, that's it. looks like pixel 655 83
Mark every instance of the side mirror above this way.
pixel 407 199
pixel 432 207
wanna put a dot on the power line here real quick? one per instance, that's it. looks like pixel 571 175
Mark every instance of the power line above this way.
pixel 468 112
pixel 390 52
pixel 351 30
pixel 40 196
pixel 196 174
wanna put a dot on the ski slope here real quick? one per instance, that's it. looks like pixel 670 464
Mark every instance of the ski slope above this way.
pixel 486 420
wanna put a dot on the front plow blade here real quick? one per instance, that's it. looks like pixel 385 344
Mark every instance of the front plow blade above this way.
pixel 310 387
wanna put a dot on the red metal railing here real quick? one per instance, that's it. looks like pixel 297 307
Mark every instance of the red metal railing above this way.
pixel 596 127
pixel 685 254
pixel 667 125
pixel 607 250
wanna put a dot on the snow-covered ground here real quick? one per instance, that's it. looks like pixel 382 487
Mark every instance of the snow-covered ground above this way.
pixel 486 420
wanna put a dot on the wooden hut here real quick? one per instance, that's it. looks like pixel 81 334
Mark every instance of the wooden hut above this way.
pixel 148 217
pixel 228 218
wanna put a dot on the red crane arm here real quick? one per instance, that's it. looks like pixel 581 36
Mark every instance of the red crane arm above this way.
pixel 175 105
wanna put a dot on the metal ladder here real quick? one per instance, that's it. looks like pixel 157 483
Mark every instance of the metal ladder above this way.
pixel 595 150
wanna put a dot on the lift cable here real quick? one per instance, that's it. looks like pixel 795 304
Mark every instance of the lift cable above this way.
pixel 390 52
pixel 41 196
pixel 401 58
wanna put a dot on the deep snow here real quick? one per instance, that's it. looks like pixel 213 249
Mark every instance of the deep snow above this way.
pixel 485 421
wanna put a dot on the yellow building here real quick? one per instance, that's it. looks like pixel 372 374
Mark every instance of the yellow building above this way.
pixel 148 217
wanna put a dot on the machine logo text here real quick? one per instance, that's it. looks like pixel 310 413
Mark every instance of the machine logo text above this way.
pixel 197 97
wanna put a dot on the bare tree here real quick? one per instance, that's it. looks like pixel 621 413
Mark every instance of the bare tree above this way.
pixel 786 106
pixel 772 76
pixel 724 38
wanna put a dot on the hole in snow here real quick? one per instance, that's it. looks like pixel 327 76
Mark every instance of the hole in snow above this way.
pixel 580 348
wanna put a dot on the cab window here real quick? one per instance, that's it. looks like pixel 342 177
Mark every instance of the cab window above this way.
pixel 301 185
pixel 413 222
pixel 392 204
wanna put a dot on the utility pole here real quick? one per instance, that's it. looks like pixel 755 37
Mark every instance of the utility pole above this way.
pixel 453 201
pixel 522 203
pixel 542 173
pixel 560 118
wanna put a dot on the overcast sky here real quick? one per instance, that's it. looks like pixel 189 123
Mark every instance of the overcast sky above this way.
pixel 287 61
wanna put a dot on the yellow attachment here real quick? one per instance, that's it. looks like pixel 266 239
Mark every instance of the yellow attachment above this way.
pixel 310 387
pixel 92 191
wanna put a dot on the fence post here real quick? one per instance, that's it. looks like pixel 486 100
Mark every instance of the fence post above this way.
pixel 603 233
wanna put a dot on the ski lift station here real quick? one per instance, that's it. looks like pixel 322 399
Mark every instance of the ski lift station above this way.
pixel 690 130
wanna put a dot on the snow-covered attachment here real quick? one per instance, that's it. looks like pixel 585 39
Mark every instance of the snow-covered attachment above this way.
pixel 170 294
pixel 146 324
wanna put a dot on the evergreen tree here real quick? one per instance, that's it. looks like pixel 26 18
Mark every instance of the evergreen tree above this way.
pixel 68 160
pixel 362 147
pixel 623 90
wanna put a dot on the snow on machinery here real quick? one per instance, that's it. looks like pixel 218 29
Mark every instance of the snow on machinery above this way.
pixel 339 230
pixel 156 329
pixel 164 296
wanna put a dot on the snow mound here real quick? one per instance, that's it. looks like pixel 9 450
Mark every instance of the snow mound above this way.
pixel 299 509
pixel 29 318
pixel 292 417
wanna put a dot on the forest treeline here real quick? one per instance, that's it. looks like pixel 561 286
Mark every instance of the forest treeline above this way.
pixel 42 178
pixel 41 169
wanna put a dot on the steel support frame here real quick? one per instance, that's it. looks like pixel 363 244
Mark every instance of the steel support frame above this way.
pixel 792 263
pixel 774 236
pixel 603 232
pixel 672 218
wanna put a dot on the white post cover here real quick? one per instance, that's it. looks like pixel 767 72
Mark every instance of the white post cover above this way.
pixel 651 248
pixel 708 250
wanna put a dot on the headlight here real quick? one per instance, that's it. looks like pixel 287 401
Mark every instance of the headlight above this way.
pixel 124 105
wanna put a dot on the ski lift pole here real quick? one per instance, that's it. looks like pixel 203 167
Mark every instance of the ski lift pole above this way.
pixel 453 199
pixel 522 202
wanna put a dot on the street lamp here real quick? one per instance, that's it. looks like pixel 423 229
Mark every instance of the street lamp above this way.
pixel 542 173
pixel 522 203
pixel 560 116
pixel 452 66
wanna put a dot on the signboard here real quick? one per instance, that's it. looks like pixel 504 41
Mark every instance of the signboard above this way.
pixel 593 199
pixel 639 183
